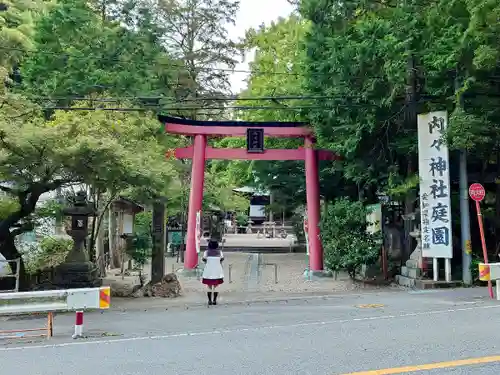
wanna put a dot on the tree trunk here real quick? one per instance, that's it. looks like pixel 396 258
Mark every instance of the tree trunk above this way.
pixel 158 254
pixel 9 251
pixel 113 248
pixel 101 261
pixel 497 211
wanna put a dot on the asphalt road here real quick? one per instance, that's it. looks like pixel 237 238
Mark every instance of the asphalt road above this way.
pixel 341 335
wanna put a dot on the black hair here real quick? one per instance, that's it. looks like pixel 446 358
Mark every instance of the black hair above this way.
pixel 213 245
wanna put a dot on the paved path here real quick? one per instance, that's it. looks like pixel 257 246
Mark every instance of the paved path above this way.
pixel 243 271
pixel 337 335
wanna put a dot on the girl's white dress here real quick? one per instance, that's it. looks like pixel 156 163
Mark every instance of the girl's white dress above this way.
pixel 213 273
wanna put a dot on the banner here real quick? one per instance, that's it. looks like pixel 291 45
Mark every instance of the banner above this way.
pixel 198 232
pixel 434 173
pixel 306 229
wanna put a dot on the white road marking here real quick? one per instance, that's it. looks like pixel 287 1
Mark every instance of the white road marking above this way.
pixel 249 329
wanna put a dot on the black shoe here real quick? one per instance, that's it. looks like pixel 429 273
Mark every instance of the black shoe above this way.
pixel 209 295
pixel 215 298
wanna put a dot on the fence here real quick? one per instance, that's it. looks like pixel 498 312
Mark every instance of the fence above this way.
pixel 15 275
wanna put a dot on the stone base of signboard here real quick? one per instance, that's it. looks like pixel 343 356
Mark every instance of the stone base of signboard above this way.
pixel 431 284
pixel 411 277
pixel 405 281
pixel 317 275
pixel 410 274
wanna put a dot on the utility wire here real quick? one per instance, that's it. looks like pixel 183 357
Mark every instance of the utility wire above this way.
pixel 183 100
pixel 229 108
pixel 145 109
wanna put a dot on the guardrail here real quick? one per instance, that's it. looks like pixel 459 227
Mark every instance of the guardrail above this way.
pixel 49 302
pixel 12 275
pixel 490 272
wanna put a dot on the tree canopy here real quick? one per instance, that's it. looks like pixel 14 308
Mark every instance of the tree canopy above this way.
pixel 82 84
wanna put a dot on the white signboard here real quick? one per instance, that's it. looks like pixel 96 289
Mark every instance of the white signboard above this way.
pixel 434 171
pixel 128 223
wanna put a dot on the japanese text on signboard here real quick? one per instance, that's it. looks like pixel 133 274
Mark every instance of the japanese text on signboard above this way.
pixel 434 172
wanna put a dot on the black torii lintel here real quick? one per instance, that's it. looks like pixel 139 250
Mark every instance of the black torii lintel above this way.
pixel 247 124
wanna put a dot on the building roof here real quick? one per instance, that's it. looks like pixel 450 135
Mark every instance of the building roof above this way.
pixel 252 190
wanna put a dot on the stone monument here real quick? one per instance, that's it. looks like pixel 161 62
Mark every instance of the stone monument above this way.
pixel 77 271
pixel 412 270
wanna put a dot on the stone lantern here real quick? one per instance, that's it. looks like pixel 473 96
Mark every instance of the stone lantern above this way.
pixel 77 271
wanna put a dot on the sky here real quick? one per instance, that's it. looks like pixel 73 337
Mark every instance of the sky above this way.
pixel 252 14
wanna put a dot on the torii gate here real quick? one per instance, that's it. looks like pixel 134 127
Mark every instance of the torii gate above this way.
pixel 199 152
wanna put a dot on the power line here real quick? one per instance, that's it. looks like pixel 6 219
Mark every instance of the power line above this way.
pixel 182 100
pixel 143 109
pixel 229 108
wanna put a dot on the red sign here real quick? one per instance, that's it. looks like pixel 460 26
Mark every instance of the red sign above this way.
pixel 477 192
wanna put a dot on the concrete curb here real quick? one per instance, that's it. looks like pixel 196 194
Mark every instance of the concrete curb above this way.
pixel 265 300
pixel 199 304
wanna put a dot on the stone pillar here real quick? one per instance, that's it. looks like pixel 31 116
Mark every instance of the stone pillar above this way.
pixel 195 199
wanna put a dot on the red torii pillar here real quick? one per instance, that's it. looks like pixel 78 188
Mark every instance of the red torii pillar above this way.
pixel 199 152
pixel 195 198
pixel 313 215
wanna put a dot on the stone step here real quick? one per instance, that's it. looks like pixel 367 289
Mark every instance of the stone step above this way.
pixel 405 281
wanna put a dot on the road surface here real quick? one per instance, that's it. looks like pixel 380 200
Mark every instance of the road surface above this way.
pixel 429 333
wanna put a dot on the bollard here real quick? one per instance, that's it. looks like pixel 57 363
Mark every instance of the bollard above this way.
pixel 78 325
pixel 229 276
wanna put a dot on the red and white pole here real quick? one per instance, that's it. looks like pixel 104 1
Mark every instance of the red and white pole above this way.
pixel 78 325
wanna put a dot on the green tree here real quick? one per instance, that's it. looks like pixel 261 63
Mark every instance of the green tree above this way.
pixel 345 239
pixel 357 54
pixel 278 71
pixel 196 33
pixel 16 34
pixel 103 149
pixel 79 54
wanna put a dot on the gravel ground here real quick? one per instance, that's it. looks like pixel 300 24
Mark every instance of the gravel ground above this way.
pixel 291 281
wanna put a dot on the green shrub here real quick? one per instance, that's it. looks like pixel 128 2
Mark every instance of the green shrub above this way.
pixel 346 243
pixel 242 220
pixel 297 220
pixel 52 252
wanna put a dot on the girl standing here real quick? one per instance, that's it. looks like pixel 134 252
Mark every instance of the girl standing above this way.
pixel 213 273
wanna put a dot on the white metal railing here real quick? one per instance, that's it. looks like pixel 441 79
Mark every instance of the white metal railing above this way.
pixel 48 302
pixel 15 275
